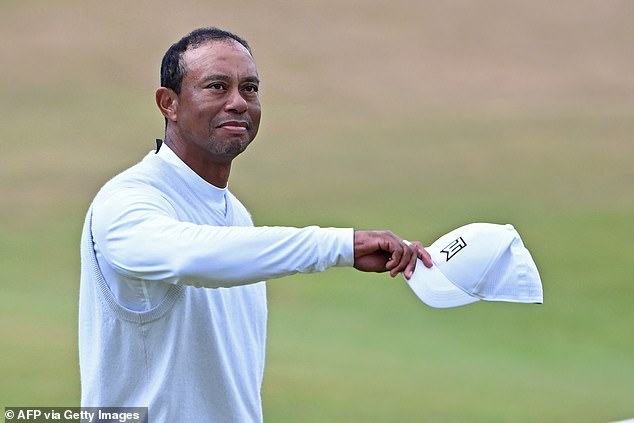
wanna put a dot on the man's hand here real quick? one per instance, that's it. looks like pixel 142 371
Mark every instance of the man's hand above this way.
pixel 382 251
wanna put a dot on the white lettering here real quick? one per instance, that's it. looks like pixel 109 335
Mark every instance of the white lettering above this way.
pixel 29 414
pixel 82 415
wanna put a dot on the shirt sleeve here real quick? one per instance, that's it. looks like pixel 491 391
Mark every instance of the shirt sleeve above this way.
pixel 139 237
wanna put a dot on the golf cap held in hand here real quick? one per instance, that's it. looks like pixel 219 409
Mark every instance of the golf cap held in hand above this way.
pixel 479 261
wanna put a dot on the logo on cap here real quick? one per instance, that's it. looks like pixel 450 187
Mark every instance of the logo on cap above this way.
pixel 453 248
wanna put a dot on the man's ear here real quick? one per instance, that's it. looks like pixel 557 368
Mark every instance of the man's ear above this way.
pixel 167 102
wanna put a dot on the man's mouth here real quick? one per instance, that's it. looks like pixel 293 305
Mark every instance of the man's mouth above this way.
pixel 234 126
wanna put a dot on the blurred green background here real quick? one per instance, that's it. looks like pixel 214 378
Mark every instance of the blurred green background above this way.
pixel 415 116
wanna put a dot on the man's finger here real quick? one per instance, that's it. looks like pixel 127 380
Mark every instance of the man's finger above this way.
pixel 423 254
pixel 410 266
pixel 407 263
pixel 396 255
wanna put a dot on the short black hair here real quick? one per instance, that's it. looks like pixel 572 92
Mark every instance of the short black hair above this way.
pixel 172 66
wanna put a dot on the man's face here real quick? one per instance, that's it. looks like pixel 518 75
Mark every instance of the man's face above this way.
pixel 219 105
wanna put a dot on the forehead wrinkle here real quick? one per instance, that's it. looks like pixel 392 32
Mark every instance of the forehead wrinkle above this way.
pixel 227 78
pixel 234 45
pixel 193 58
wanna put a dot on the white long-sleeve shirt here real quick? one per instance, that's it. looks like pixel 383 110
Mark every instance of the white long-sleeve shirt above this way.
pixel 157 326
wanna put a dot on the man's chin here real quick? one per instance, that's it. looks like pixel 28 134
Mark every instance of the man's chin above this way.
pixel 230 149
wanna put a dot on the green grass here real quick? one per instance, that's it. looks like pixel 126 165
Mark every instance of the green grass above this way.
pixel 348 338
pixel 419 153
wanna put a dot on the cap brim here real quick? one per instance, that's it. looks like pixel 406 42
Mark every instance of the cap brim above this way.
pixel 435 290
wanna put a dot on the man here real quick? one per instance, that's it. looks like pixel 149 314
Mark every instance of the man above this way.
pixel 172 304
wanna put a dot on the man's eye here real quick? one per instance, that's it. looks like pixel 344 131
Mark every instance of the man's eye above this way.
pixel 216 86
pixel 251 88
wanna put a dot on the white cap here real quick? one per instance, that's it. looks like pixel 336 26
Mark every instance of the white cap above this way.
pixel 479 261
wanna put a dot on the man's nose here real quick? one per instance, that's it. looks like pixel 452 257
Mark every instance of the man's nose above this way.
pixel 236 102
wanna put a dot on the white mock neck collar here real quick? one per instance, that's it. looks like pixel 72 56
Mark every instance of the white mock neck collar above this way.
pixel 211 191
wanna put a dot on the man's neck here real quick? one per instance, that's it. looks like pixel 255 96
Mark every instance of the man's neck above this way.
pixel 214 172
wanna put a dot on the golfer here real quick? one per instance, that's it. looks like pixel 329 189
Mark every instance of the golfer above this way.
pixel 172 309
